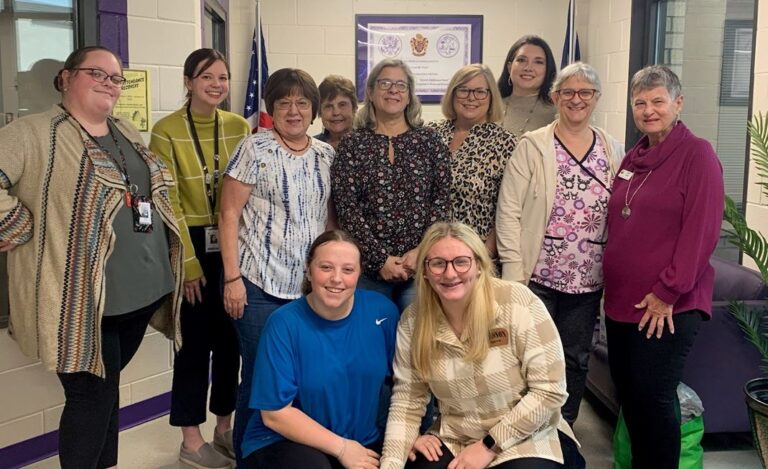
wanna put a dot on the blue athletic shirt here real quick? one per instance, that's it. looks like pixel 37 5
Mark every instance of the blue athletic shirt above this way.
pixel 333 371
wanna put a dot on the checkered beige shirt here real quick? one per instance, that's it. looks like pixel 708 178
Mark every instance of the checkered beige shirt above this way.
pixel 515 393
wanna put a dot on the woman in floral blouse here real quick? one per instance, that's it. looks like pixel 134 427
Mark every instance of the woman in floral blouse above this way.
pixel 479 148
pixel 391 180
pixel 550 218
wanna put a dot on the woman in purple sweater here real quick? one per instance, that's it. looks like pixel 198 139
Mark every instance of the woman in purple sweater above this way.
pixel 664 221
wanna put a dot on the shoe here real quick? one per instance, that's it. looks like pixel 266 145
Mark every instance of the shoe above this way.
pixel 223 443
pixel 204 458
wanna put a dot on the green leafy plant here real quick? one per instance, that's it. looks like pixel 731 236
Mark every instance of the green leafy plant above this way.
pixel 754 322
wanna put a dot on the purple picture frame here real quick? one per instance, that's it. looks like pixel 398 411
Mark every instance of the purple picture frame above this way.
pixel 363 22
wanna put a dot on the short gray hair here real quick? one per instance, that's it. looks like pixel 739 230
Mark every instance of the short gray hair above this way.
pixel 654 76
pixel 577 69
pixel 366 117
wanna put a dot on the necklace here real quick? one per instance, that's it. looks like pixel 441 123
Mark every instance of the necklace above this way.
pixel 626 211
pixel 295 150
pixel 521 130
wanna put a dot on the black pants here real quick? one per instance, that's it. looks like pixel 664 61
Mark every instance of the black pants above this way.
pixel 646 373
pixel 209 349
pixel 291 455
pixel 575 316
pixel 89 425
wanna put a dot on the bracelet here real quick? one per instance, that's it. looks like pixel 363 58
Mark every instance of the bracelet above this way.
pixel 343 447
pixel 233 279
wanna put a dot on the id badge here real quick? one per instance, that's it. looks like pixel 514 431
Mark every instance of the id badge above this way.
pixel 625 174
pixel 211 239
pixel 142 214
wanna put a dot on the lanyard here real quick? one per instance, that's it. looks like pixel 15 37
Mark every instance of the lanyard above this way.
pixel 211 181
pixel 130 189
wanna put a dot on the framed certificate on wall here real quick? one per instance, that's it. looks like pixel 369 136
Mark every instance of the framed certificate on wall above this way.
pixel 433 46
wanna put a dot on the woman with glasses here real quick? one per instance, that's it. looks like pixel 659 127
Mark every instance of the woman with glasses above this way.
pixel 195 142
pixel 95 252
pixel 552 213
pixel 525 82
pixel 338 105
pixel 391 181
pixel 274 203
pixel 479 148
pixel 491 355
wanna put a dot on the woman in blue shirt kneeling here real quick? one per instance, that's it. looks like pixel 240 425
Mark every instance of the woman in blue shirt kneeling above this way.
pixel 322 362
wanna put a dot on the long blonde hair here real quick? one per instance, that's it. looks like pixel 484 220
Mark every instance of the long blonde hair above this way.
pixel 479 315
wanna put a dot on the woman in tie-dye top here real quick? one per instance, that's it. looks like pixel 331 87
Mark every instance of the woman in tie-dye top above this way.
pixel 274 204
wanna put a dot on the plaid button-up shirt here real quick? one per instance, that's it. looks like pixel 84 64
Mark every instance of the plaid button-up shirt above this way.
pixel 514 394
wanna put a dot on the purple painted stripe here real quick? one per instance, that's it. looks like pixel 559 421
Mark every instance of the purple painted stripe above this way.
pixel 46 445
pixel 113 27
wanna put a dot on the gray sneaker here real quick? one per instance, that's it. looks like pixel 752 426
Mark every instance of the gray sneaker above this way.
pixel 223 443
pixel 204 458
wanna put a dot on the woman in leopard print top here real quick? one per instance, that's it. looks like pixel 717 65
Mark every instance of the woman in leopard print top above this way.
pixel 479 148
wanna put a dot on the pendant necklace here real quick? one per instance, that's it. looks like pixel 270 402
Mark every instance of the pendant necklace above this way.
pixel 295 150
pixel 626 211
pixel 528 119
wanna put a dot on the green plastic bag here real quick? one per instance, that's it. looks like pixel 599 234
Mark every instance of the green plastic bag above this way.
pixel 691 452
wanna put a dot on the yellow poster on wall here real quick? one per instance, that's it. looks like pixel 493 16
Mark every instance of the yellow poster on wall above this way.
pixel 134 100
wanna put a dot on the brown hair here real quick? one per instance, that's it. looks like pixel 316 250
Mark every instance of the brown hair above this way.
pixel 76 59
pixel 328 236
pixel 291 81
pixel 204 56
pixel 335 85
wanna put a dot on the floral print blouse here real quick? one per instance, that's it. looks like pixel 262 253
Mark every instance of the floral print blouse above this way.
pixel 476 170
pixel 571 259
pixel 388 206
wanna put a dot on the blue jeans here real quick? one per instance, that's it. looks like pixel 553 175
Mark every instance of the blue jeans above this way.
pixel 260 306
pixel 401 293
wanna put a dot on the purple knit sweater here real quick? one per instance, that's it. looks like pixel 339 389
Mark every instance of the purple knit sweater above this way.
pixel 665 244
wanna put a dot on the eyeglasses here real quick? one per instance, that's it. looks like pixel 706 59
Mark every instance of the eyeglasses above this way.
pixel 568 94
pixel 438 265
pixel 386 84
pixel 479 93
pixel 286 104
pixel 101 76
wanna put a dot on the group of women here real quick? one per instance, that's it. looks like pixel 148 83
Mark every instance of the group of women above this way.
pixel 298 254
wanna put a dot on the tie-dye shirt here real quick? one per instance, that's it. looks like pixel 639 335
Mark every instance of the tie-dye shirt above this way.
pixel 286 210
pixel 571 259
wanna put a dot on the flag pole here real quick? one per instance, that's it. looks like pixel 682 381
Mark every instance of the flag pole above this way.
pixel 257 38
pixel 572 32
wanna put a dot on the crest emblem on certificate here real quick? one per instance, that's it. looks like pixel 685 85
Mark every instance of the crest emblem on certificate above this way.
pixel 448 45
pixel 390 45
pixel 419 45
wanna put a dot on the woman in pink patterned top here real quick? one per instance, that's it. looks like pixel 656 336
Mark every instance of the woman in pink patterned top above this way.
pixel 551 217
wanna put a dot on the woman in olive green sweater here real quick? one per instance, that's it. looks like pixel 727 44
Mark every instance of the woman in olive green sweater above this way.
pixel 195 143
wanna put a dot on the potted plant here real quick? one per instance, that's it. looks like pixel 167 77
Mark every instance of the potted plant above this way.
pixel 754 322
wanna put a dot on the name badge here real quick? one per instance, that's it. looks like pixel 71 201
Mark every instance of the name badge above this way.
pixel 211 239
pixel 498 337
pixel 625 174
pixel 142 214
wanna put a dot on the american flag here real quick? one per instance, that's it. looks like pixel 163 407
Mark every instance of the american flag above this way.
pixel 571 52
pixel 255 112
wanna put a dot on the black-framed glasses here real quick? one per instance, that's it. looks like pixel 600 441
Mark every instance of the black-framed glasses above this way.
pixel 479 93
pixel 585 94
pixel 386 84
pixel 101 76
pixel 438 265
pixel 286 104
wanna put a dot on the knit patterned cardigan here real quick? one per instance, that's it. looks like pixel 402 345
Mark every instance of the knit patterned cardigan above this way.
pixel 59 194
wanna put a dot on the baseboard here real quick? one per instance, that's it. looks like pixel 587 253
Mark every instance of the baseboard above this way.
pixel 46 445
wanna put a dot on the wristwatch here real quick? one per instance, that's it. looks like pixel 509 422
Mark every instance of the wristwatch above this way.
pixel 490 443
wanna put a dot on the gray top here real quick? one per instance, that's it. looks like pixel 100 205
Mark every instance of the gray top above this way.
pixel 525 113
pixel 138 272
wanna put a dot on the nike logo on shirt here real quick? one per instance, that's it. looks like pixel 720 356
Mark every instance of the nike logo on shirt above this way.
pixel 379 321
